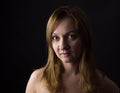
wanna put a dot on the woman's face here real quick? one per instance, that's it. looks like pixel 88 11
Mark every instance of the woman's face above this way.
pixel 66 41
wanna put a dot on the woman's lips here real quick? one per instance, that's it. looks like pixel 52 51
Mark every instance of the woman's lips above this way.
pixel 65 54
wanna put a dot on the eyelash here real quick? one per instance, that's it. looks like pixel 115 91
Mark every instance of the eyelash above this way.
pixel 72 36
pixel 55 38
pixel 69 37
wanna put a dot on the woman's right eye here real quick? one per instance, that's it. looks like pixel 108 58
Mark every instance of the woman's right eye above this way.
pixel 55 38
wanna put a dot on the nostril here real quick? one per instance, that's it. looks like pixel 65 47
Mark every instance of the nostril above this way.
pixel 64 47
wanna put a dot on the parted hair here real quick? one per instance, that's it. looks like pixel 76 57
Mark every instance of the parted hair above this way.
pixel 86 66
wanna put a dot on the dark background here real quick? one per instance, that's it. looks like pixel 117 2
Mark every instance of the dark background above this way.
pixel 23 45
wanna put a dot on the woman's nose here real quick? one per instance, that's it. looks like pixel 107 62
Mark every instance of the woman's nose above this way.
pixel 63 44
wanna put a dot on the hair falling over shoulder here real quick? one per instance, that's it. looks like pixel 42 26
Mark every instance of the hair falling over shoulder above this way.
pixel 53 69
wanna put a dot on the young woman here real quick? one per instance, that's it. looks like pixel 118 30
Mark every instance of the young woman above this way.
pixel 70 67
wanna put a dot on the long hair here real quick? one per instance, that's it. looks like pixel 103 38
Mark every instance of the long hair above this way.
pixel 53 69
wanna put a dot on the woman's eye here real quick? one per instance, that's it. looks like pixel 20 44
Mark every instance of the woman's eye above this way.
pixel 72 37
pixel 55 38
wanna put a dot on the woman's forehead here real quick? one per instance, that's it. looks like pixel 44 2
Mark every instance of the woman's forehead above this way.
pixel 65 25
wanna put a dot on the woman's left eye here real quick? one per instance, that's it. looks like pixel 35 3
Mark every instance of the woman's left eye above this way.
pixel 72 37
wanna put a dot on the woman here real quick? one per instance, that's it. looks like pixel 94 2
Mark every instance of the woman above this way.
pixel 70 67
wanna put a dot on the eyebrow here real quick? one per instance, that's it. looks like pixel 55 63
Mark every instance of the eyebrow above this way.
pixel 72 31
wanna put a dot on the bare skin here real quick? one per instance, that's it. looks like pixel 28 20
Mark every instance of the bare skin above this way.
pixel 36 86
pixel 67 45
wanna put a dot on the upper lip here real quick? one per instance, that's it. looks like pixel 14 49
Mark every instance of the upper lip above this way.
pixel 64 53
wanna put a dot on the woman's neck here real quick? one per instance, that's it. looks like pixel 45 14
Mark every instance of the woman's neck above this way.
pixel 70 69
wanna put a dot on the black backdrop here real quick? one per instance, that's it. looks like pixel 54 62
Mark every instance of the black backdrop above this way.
pixel 23 45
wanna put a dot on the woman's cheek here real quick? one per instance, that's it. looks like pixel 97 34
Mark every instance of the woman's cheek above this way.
pixel 55 47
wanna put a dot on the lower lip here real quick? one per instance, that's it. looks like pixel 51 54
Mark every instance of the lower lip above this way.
pixel 65 54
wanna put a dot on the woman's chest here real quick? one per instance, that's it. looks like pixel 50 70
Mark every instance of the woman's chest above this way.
pixel 71 86
pixel 67 89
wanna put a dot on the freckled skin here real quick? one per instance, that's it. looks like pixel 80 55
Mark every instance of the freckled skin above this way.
pixel 66 40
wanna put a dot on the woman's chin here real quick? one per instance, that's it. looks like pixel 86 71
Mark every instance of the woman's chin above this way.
pixel 67 60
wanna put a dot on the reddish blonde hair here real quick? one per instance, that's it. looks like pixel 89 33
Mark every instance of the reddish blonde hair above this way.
pixel 53 68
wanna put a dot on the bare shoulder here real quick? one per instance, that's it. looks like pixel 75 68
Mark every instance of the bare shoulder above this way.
pixel 107 85
pixel 36 74
pixel 34 81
